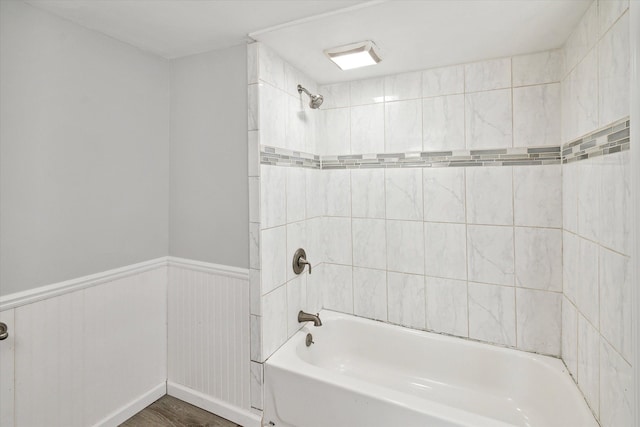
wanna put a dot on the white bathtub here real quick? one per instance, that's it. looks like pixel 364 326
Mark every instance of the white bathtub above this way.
pixel 362 373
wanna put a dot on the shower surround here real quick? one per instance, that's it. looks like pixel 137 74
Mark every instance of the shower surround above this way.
pixel 434 200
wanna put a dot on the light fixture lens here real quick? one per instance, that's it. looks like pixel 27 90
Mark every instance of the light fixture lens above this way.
pixel 354 55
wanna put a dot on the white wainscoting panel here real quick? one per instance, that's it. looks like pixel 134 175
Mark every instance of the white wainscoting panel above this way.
pixel 92 356
pixel 6 370
pixel 209 334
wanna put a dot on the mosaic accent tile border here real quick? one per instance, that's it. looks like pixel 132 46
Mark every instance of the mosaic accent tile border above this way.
pixel 282 157
pixel 462 158
pixel 612 139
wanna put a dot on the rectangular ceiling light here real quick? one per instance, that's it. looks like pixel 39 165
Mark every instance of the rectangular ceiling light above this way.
pixel 354 55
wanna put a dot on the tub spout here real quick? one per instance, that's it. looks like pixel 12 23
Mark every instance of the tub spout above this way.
pixel 306 317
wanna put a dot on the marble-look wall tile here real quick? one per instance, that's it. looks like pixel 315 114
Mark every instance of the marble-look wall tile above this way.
pixel 538 195
pixel 253 107
pixel 367 129
pixel 539 321
pixel 487 75
pixel 490 195
pixel 273 254
pixel 367 193
pixel 615 202
pixel 253 165
pixel 336 240
pixel 296 194
pixel 614 72
pixel 254 199
pixel 370 293
pixel 444 194
pixel 608 12
pixel 300 126
pixel 274 320
pixel 338 192
pixel 405 246
pixel 273 115
pixel 270 67
pixel 570 197
pixel 399 87
pixel 616 388
pixel 296 301
pixel 368 91
pixel 536 115
pixel 335 95
pixel 297 238
pixel 273 196
pixel 316 199
pixel 255 344
pixel 443 81
pixel 403 126
pixel 446 250
pixel 583 112
pixel 615 301
pixel 490 254
pixel 538 68
pixel 570 337
pixel 447 306
pixel 334 132
pixel 294 77
pixel 315 284
pixel 488 119
pixel 255 292
pixel 570 265
pixel 369 243
pixel 406 299
pixel 337 292
pixel 314 240
pixel 492 313
pixel 589 363
pixel 255 387
pixel 583 38
pixel 254 245
pixel 443 123
pixel 404 194
pixel 252 63
pixel 589 190
pixel 587 284
pixel 539 258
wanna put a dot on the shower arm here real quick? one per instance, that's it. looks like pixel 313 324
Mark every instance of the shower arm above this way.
pixel 301 89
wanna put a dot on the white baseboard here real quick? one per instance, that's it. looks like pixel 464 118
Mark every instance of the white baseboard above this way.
pixel 121 415
pixel 240 416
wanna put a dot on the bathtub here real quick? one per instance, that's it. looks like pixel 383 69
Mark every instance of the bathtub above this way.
pixel 362 373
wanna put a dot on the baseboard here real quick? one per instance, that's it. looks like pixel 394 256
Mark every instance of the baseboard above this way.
pixel 121 415
pixel 240 416
pixel 49 291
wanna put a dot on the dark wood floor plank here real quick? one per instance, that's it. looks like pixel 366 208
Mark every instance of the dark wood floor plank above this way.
pixel 171 412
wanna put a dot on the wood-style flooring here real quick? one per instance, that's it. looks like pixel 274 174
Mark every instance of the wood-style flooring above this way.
pixel 172 412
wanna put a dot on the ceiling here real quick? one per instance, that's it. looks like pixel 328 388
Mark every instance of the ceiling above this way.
pixel 411 34
pixel 174 28
pixel 416 35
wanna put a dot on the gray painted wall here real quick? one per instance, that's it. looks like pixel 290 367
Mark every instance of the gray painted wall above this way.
pixel 84 151
pixel 209 212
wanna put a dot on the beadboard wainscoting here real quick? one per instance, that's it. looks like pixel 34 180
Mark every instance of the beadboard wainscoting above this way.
pixel 208 350
pixel 95 350
pixel 85 352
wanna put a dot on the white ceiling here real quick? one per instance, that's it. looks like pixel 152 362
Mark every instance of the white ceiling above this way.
pixel 174 28
pixel 415 35
pixel 412 34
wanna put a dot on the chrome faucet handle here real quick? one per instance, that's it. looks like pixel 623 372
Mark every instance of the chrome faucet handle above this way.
pixel 299 261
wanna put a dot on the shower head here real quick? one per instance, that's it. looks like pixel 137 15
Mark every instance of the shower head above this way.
pixel 315 100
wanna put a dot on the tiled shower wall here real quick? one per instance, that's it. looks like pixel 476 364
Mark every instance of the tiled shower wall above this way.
pixel 474 252
pixel 596 308
pixel 283 207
